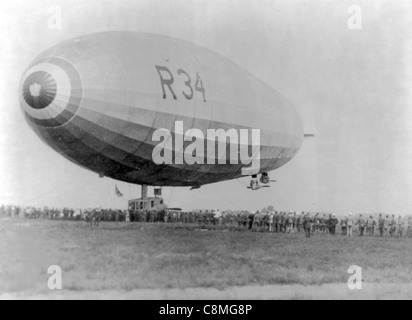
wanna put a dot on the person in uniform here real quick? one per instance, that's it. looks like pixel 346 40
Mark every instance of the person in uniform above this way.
pixel 381 225
pixel 279 222
pixel 362 225
pixel 295 218
pixel 350 224
pixel 307 224
pixel 98 217
pixel 90 217
pixel 400 226
pixel 299 222
pixel 328 224
pixel 370 226
pixel 251 218
pixel 324 225
pixel 315 223
pixel 266 221
pixel 392 226
pixel 333 223
pixel 283 222
pixel 386 226
pixel 271 221
pixel 344 225
pixel 409 229
pixel 276 221
pixel 289 223
pixel 375 226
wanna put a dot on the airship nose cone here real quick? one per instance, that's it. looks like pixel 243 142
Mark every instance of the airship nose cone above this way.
pixel 39 90
pixel 51 92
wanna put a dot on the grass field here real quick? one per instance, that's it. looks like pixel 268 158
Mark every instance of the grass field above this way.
pixel 125 258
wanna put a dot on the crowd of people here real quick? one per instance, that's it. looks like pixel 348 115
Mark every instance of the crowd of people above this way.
pixel 265 221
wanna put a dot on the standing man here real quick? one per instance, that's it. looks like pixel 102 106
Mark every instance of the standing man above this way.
pixel 400 226
pixel 98 217
pixel 307 224
pixel 271 221
pixel 370 226
pixel 289 223
pixel 386 225
pixel 328 225
pixel 295 219
pixel 344 225
pixel 324 223
pixel 91 217
pixel 350 225
pixel 362 224
pixel 299 222
pixel 284 222
pixel 333 222
pixel 315 223
pixel 276 221
pixel 381 224
pixel 251 218
pixel 392 226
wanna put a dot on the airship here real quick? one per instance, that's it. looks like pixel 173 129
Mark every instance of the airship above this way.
pixel 99 100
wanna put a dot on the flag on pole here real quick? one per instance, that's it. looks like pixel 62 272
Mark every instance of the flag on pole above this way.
pixel 118 193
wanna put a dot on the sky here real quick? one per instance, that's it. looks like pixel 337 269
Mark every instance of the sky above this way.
pixel 350 87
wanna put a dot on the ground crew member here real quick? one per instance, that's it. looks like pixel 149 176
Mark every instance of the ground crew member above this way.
pixel 299 222
pixel 392 226
pixel 251 218
pixel 344 225
pixel 294 227
pixel 289 223
pixel 324 223
pixel 386 226
pixel 333 222
pixel 98 217
pixel 271 221
pixel 276 220
pixel 362 224
pixel 381 225
pixel 284 221
pixel 307 224
pixel 315 223
pixel 350 225
pixel 409 231
pixel 400 227
pixel 370 226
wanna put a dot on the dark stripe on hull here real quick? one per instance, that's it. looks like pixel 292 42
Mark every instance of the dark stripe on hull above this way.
pixel 90 150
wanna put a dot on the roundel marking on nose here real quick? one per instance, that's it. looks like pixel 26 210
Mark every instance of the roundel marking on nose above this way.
pixel 51 92
pixel 39 89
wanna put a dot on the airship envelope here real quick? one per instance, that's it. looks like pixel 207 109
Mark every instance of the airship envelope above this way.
pixel 101 100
